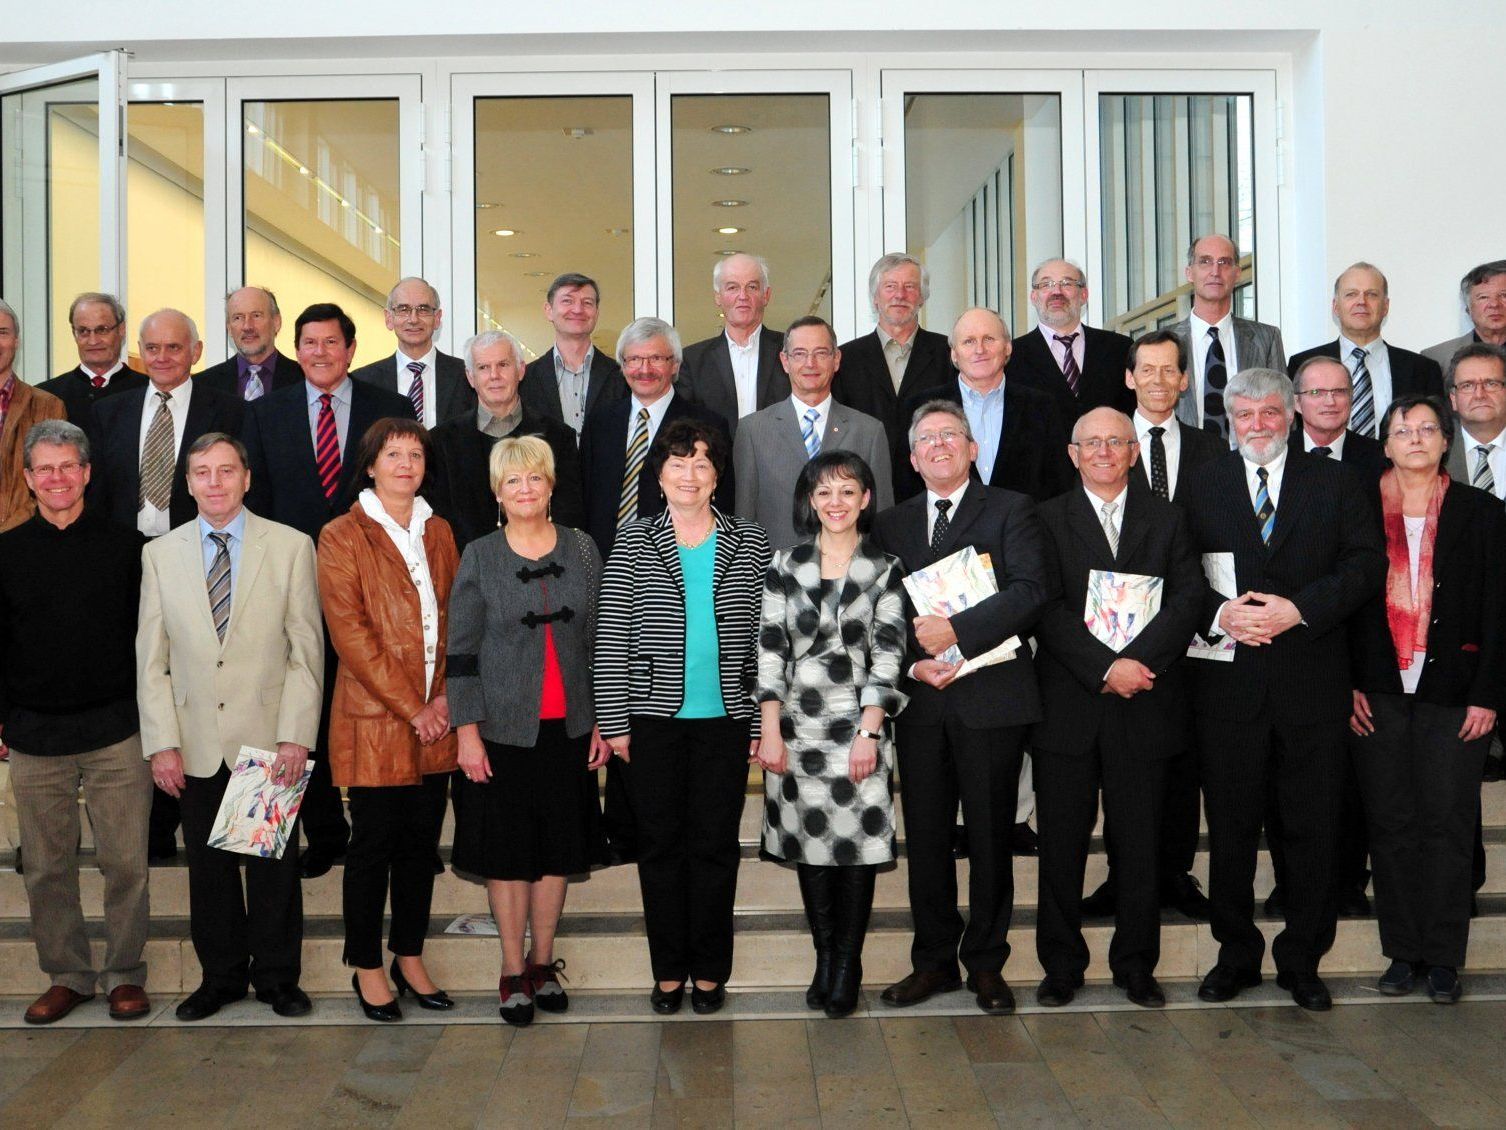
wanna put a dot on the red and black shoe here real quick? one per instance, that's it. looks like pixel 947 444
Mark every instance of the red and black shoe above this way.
pixel 548 994
pixel 516 993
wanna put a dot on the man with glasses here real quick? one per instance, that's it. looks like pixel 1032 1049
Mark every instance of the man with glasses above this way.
pixel 21 406
pixel 737 372
pixel 99 330
pixel 433 381
pixel 252 323
pixel 1325 422
pixel 1483 292
pixel 570 380
pixel 1477 393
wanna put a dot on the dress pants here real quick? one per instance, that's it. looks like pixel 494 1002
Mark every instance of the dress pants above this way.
pixel 686 782
pixel 394 831
pixel 1421 787
pixel 938 764
pixel 117 786
pixel 322 814
pixel 1240 761
pixel 1181 820
pixel 241 936
pixel 1353 846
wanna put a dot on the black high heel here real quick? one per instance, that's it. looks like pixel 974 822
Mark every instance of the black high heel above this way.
pixel 437 1001
pixel 383 1012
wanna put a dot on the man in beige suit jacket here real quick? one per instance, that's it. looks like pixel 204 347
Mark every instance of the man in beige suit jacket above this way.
pixel 230 652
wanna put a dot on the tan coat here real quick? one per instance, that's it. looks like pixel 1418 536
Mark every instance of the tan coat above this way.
pixel 372 610
pixel 27 406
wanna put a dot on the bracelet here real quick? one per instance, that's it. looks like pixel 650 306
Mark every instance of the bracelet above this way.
pixel 874 734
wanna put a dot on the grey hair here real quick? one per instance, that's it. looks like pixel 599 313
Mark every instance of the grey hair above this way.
pixel 97 296
pixel 60 433
pixel 951 334
pixel 887 263
pixel 1257 384
pixel 1192 247
pixel 1483 273
pixel 15 322
pixel 413 279
pixel 1363 266
pixel 1081 274
pixel 485 340
pixel 210 439
pixel 271 298
pixel 193 329
pixel 641 331
pixel 720 266
pixel 942 405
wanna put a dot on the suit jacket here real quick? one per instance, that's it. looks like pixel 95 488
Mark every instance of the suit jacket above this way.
pixel 27 407
pixel 540 392
pixel 285 483
pixel 863 381
pixel 1325 555
pixel 706 375
pixel 263 684
pixel 1072 662
pixel 115 486
pixel 78 393
pixel 1256 346
pixel 1004 525
pixel 603 460
pixel 1444 351
pixel 226 375
pixel 1366 456
pixel 1412 374
pixel 769 455
pixel 456 396
pixel 458 480
pixel 1197 447
pixel 1102 380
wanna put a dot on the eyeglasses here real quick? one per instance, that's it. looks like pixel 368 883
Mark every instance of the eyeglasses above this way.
pixel 422 311
pixel 72 467
pixel 931 439
pixel 83 333
pixel 1327 393
pixel 1223 262
pixel 1051 284
pixel 654 359
pixel 1097 443
pixel 820 356
pixel 1489 384
pixel 1421 431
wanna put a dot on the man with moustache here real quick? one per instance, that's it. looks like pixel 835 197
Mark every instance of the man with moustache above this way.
pixel 1483 292
pixel 737 372
pixel 252 322
pixel 99 330
pixel 433 381
pixel 1079 366
pixel 569 381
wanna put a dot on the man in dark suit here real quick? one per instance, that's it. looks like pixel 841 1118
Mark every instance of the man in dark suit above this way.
pixel 252 323
pixel 737 372
pixel 1078 366
pixel 884 369
pixel 99 330
pixel 327 413
pixel 569 381
pixel 1299 536
pixel 433 381
pixel 964 741
pixel 1325 398
pixel 1115 706
pixel 1380 372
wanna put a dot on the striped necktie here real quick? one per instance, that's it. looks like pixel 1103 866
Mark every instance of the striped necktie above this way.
pixel 416 389
pixel 1483 477
pixel 1265 509
pixel 637 451
pixel 1107 512
pixel 327 447
pixel 219 583
pixel 809 435
pixel 1069 363
pixel 1362 418
pixel 157 457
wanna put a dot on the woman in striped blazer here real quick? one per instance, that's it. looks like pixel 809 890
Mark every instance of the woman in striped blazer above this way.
pixel 676 643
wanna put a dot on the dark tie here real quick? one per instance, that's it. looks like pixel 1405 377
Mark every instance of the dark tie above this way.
pixel 327 447
pixel 219 583
pixel 416 389
pixel 1362 418
pixel 938 531
pixel 1215 378
pixel 1069 363
pixel 1265 509
pixel 1326 452
pixel 97 382
pixel 1158 481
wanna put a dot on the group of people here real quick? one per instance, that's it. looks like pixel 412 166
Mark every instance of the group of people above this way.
pixel 682 561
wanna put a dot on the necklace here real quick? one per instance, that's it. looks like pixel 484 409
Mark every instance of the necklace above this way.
pixel 698 542
pixel 842 563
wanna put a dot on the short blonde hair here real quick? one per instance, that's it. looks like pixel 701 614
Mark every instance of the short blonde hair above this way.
pixel 520 453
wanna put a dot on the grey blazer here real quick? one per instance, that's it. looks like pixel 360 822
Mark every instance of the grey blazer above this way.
pixel 1256 346
pixel 498 608
pixel 1444 351
pixel 1461 459
pixel 768 456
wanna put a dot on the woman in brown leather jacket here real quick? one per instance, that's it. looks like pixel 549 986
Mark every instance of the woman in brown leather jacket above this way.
pixel 385 571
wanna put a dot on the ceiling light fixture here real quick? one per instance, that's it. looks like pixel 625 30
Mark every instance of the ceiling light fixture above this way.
pixel 728 231
pixel 525 254
pixel 731 129
pixel 725 251
pixel 504 231
pixel 618 231
pixel 575 133
pixel 486 204
pixel 730 171
pixel 535 274
pixel 729 203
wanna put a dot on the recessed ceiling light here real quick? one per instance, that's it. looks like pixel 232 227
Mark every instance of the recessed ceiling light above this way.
pixel 729 203
pixel 730 170
pixel 575 133
pixel 731 129
pixel 725 251
pixel 618 231
pixel 728 231
pixel 504 231
pixel 525 254
pixel 487 204
pixel 535 274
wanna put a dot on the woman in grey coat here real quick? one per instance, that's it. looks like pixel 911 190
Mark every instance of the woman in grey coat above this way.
pixel 830 653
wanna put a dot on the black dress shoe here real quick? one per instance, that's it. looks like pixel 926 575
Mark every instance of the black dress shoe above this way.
pixel 1102 903
pixel 386 1013
pixel 919 986
pixel 1399 979
pixel 1141 988
pixel 1023 840
pixel 667 1002
pixel 437 1001
pixel 959 841
pixel 286 1000
pixel 1275 903
pixel 1055 990
pixel 993 994
pixel 1495 769
pixel 316 861
pixel 1185 894
pixel 205 1001
pixel 1443 985
pixel 703 1002
pixel 1353 904
pixel 1224 983
pixel 1307 989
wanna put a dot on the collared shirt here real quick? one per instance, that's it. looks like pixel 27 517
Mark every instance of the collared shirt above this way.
pixel 431 385
pixel 1335 449
pixel 339 403
pixel 1497 458
pixel 108 374
pixel 574 387
pixel 1377 364
pixel 149 520
pixel 896 354
pixel 656 412
pixel 498 427
pixel 264 370
pixel 932 498
pixel 236 528
pixel 1059 351
pixel 985 415
pixel 1171 441
pixel 1198 342
pixel 1098 503
pixel 1273 471
pixel 410 547
pixel 823 413
pixel 745 371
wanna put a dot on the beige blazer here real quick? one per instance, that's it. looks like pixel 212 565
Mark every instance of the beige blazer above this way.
pixel 263 685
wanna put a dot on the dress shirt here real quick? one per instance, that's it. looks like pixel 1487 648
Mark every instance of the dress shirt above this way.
pixel 656 412
pixel 1377 363
pixel 236 528
pixel 932 498
pixel 1413 674
pixel 431 383
pixel 264 371
pixel 410 547
pixel 1171 441
pixel 823 414
pixel 574 387
pixel 339 402
pixel 149 520
pixel 896 354
pixel 1198 342
pixel 985 415
pixel 1273 471
pixel 745 371
pixel 1496 459
pixel 498 427
pixel 1059 351
pixel 108 375
pixel 1335 449
pixel 1118 500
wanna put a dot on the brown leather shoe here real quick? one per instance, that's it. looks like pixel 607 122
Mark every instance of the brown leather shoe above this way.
pixel 56 1003
pixel 994 996
pixel 128 1002
pixel 920 985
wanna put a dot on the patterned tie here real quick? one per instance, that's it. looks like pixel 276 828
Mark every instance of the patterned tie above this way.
pixel 1158 480
pixel 1107 511
pixel 1483 477
pixel 1326 452
pixel 327 447
pixel 416 389
pixel 1362 418
pixel 1215 378
pixel 1069 363
pixel 637 451
pixel 254 387
pixel 219 583
pixel 157 458
pixel 97 381
pixel 809 434
pixel 1265 509
pixel 938 531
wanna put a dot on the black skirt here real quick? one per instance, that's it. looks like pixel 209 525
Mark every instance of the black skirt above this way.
pixel 537 816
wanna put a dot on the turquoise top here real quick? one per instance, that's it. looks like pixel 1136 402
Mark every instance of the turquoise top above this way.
pixel 703 671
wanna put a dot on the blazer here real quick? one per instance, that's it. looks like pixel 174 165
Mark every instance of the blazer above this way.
pixel 455 394
pixel 769 455
pixel 1104 354
pixel 1003 524
pixel 499 607
pixel 1366 456
pixel 28 406
pixel 1326 556
pixel 285 483
pixel 1198 447
pixel 226 375
pixel 1462 457
pixel 1256 346
pixel 264 684
pixel 1072 662
pixel 115 485
pixel 374 620
pixel 540 392
pixel 78 393
pixel 863 380
pixel 1444 351
pixel 603 462
pixel 640 621
pixel 706 375
pixel 1412 374
pixel 458 480
pixel 1466 661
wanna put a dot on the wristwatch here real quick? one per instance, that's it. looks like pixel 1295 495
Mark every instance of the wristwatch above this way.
pixel 874 734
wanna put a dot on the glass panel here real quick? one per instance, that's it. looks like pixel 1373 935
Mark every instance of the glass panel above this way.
pixel 322 210
pixel 534 155
pixel 758 164
pixel 165 214
pixel 983 198
pixel 1174 166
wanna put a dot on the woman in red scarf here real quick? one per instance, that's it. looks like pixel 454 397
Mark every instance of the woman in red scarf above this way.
pixel 1430 672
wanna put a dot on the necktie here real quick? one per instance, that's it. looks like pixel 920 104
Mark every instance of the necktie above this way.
pixel 637 451
pixel 1362 418
pixel 1483 477
pixel 254 387
pixel 1107 513
pixel 809 434
pixel 219 583
pixel 1326 452
pixel 1215 378
pixel 416 389
pixel 1158 481
pixel 97 381
pixel 938 531
pixel 157 457
pixel 1069 363
pixel 1265 509
pixel 327 447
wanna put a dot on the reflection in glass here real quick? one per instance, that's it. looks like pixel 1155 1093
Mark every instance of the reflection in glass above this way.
pixel 165 215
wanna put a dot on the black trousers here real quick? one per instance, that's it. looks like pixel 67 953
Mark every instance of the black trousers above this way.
pixel 1352 847
pixel 394 832
pixel 1422 790
pixel 323 814
pixel 1181 822
pixel 938 765
pixel 162 825
pixel 1240 763
pixel 241 935
pixel 686 782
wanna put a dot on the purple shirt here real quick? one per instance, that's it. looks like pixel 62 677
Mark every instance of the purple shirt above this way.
pixel 264 370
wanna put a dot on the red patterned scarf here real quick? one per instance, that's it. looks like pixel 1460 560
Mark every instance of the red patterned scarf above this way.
pixel 1407 613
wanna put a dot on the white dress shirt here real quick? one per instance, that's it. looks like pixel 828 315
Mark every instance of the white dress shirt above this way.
pixel 1273 470
pixel 1377 363
pixel 1118 517
pixel 656 412
pixel 431 382
pixel 149 520
pixel 823 414
pixel 410 547
pixel 951 515
pixel 1059 351
pixel 1335 449
pixel 90 375
pixel 1171 441
pixel 1198 342
pixel 745 371
pixel 1497 459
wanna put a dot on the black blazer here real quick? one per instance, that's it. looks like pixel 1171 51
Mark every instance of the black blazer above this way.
pixel 1466 663
pixel 458 481
pixel 1326 555
pixel 1004 525
pixel 226 376
pixel 603 459
pixel 863 381
pixel 540 392
pixel 1072 662
pixel 285 483
pixel 1412 374
pixel 1103 363
pixel 115 486
pixel 78 393
pixel 1366 456
pixel 706 375
pixel 456 396
pixel 1198 447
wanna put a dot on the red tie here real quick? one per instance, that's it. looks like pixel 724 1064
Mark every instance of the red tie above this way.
pixel 327 448
pixel 97 382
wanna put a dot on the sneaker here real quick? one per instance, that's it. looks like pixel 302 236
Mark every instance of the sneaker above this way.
pixel 547 992
pixel 1443 985
pixel 516 993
